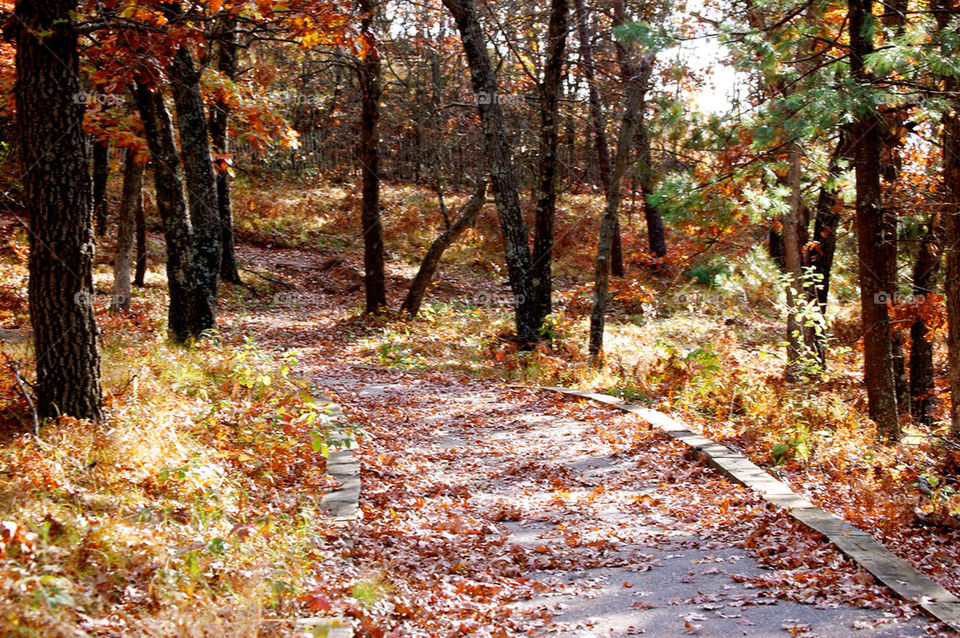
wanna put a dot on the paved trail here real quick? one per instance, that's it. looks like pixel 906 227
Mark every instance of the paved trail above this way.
pixel 522 512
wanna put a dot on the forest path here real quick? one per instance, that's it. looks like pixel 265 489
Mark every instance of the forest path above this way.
pixel 515 510
pixel 491 510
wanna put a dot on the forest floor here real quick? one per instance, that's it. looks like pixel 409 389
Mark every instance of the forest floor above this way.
pixel 489 510
pixel 489 507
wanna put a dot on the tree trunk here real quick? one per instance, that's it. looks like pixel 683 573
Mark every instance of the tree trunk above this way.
pixel 500 162
pixel 126 229
pixel 141 226
pixel 200 181
pixel 184 320
pixel 656 234
pixel 627 72
pixel 628 129
pixel 547 200
pixel 922 398
pixel 900 380
pixel 56 183
pixel 411 305
pixel 219 137
pixel 792 265
pixel 597 119
pixel 617 268
pixel 951 154
pixel 101 173
pixel 370 89
pixel 876 238
pixel 819 251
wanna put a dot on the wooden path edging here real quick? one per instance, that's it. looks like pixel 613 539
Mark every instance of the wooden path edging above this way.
pixel 343 502
pixel 860 547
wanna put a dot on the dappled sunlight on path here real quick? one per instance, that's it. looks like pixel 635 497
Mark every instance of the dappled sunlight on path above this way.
pixel 493 510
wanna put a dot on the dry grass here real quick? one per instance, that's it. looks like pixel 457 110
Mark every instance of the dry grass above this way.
pixel 179 516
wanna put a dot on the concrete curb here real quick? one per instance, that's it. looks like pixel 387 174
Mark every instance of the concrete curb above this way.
pixel 342 503
pixel 858 546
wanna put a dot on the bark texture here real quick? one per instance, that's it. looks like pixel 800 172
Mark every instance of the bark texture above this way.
pixel 792 265
pixel 56 183
pixel 130 200
pixel 187 315
pixel 597 122
pixel 876 237
pixel 428 267
pixel 656 233
pixel 101 173
pixel 952 240
pixel 819 251
pixel 602 271
pixel 200 181
pixel 503 177
pixel 219 138
pixel 370 90
pixel 922 398
pixel 945 10
pixel 141 229
pixel 548 177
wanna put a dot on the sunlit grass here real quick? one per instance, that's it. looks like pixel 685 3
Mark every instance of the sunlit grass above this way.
pixel 171 506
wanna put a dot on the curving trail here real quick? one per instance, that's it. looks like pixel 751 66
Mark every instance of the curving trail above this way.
pixel 497 511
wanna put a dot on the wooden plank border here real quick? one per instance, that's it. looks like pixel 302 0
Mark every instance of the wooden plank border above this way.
pixel 342 503
pixel 860 547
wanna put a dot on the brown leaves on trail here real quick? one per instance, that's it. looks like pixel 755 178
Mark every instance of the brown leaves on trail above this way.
pixel 471 487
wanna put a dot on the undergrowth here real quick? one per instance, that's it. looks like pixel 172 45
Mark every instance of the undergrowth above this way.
pixel 190 512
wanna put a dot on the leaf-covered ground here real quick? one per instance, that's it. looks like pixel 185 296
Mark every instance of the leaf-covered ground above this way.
pixel 498 510
pixel 490 508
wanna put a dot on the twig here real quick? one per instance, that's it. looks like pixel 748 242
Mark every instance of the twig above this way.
pixel 126 386
pixel 23 390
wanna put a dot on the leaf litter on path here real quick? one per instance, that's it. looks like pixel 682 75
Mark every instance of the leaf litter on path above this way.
pixel 496 511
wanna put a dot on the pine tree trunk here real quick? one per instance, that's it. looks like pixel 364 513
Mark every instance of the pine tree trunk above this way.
pixel 951 153
pixel 101 173
pixel 900 380
pixel 503 177
pixel 219 137
pixel 428 267
pixel 548 177
pixel 627 72
pixel 184 320
pixel 876 238
pixel 602 271
pixel 823 245
pixel 819 252
pixel 792 265
pixel 56 185
pixel 126 230
pixel 925 269
pixel 370 90
pixel 200 181
pixel 656 233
